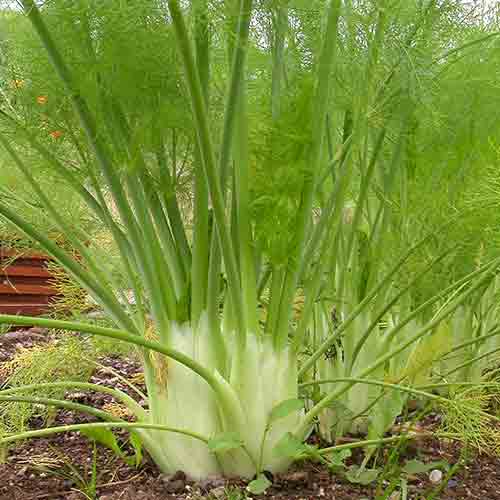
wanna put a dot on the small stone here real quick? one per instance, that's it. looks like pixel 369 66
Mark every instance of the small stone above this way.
pixel 176 486
pixel 179 476
pixel 435 476
pixel 452 483
pixel 22 471
pixel 76 396
pixel 38 330
pixel 321 492
pixel 210 483
pixel 219 492
pixel 296 477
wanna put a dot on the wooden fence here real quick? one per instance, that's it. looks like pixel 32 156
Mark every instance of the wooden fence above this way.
pixel 25 283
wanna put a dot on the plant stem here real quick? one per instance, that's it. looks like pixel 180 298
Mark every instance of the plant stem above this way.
pixel 100 425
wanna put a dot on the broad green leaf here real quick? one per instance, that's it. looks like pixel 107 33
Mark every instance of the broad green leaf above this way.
pixel 284 409
pixel 259 485
pixel 385 412
pixel 289 446
pixel 224 442
pixel 417 467
pixel 105 437
pixel 312 452
pixel 338 457
pixel 364 477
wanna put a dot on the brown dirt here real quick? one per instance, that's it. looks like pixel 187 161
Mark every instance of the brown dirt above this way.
pixel 44 468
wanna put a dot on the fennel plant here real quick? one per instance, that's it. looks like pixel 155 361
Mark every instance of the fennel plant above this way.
pixel 222 382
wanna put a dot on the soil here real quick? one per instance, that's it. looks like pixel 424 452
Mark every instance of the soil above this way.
pixel 60 467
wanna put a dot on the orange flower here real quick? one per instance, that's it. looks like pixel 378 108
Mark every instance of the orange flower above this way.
pixel 56 134
pixel 42 99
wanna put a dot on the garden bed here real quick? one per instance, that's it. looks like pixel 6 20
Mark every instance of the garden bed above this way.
pixel 45 468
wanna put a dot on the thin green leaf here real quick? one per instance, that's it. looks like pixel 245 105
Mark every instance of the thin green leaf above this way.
pixel 136 443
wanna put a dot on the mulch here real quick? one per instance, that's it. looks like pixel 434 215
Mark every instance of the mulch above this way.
pixel 47 468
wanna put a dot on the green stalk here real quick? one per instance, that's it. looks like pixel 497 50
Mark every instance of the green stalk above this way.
pixel 173 259
pixel 125 249
pixel 474 385
pixel 99 425
pixel 278 59
pixel 264 275
pixel 480 338
pixel 150 257
pixel 209 164
pixel 327 212
pixel 338 159
pixel 68 405
pixel 275 293
pixel 156 275
pixel 319 112
pixel 171 207
pixel 371 442
pixel 313 287
pixel 201 247
pixel 334 229
pixel 238 52
pixel 471 362
pixel 358 212
pixel 116 393
pixel 385 385
pixel 244 225
pixel 214 286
